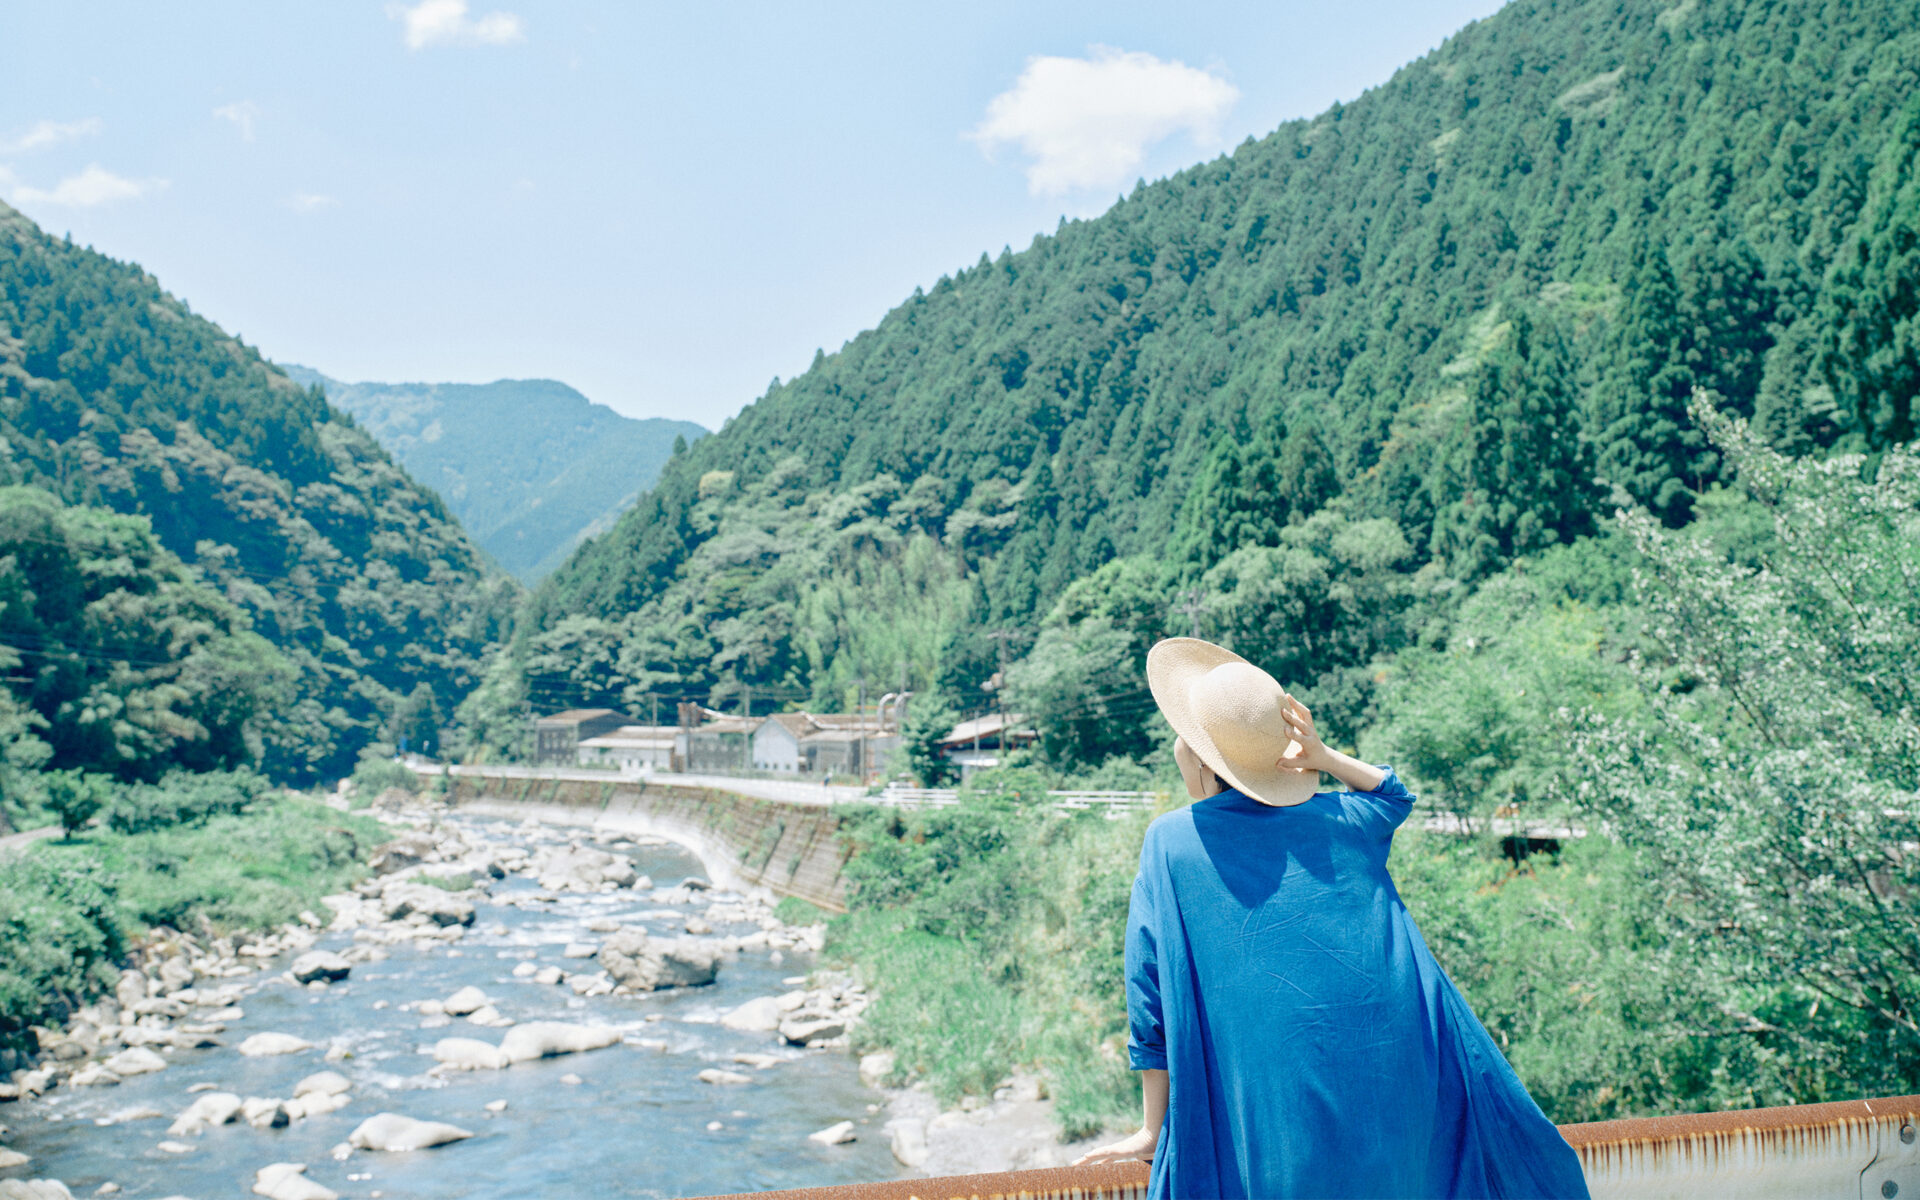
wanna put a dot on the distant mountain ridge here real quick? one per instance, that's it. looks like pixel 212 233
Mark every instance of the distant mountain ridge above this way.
pixel 530 466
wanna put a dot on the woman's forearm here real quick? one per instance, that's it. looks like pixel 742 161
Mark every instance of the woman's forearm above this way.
pixel 1360 776
pixel 1153 1092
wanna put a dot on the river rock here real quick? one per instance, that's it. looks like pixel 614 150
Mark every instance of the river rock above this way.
pixel 288 1181
pixel 315 1104
pixel 131 989
pixel 391 1131
pixel 403 900
pixel 175 974
pixel 34 1189
pixel 213 1108
pixel 522 970
pixel 544 1039
pixel 645 964
pixel 907 1138
pixel 876 1067
pixel 804 1029
pixel 467 999
pixel 330 1083
pixel 263 1113
pixel 755 1016
pixel 319 964
pixel 549 975
pixel 836 1134
pixel 468 1054
pixel 136 1060
pixel 582 869
pixel 92 1075
pixel 12 1158
pixel 489 1016
pixel 719 1076
pixel 262 1045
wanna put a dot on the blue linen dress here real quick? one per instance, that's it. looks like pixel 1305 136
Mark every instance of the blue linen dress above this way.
pixel 1314 1046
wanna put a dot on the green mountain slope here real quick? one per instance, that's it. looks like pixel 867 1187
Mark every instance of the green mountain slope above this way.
pixel 1370 355
pixel 530 466
pixel 113 394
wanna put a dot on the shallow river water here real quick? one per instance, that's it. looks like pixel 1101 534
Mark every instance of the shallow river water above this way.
pixel 637 1123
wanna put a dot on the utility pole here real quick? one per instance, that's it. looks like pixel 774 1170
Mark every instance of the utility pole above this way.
pixel 1001 637
pixel 654 698
pixel 1192 609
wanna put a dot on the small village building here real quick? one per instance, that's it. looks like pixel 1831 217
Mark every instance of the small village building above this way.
pixel 556 739
pixel 978 744
pixel 720 747
pixel 777 743
pixel 631 748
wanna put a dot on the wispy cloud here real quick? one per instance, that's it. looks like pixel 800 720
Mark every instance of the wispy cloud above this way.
pixel 50 133
pixel 1088 122
pixel 242 113
pixel 437 22
pixel 306 202
pixel 92 187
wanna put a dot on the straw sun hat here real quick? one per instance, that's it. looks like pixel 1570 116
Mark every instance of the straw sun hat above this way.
pixel 1228 711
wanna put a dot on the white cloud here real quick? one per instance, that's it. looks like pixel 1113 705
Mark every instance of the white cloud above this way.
pixel 94 186
pixel 1087 122
pixel 306 202
pixel 242 113
pixel 50 133
pixel 431 22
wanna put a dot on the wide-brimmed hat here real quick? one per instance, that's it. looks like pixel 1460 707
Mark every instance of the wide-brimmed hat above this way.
pixel 1228 710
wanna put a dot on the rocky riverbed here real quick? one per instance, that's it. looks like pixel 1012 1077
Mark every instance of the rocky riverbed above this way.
pixel 501 1010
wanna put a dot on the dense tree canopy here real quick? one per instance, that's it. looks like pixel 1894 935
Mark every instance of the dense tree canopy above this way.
pixel 1463 314
pixel 114 395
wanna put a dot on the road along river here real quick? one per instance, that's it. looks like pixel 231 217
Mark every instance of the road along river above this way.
pixel 634 1118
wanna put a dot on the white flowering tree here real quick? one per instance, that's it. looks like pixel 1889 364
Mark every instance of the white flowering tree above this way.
pixel 1773 777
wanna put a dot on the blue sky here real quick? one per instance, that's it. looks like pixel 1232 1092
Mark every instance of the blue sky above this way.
pixel 665 206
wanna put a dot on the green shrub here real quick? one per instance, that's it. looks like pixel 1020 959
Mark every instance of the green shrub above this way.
pixel 448 883
pixel 183 798
pixel 376 775
pixel 75 797
pixel 59 940
pixel 792 910
pixel 247 870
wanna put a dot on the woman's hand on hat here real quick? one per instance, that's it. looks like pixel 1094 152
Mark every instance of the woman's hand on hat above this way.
pixel 1308 752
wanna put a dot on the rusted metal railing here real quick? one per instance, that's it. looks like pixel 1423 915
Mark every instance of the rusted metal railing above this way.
pixel 1855 1149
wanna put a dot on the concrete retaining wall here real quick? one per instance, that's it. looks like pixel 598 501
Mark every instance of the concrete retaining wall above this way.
pixel 743 841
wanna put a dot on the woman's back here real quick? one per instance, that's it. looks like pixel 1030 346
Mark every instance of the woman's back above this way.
pixel 1314 1046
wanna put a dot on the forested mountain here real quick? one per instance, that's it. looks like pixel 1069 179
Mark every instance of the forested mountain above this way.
pixel 1296 396
pixel 114 395
pixel 530 466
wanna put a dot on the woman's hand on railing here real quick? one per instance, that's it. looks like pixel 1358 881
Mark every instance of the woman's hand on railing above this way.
pixel 1138 1145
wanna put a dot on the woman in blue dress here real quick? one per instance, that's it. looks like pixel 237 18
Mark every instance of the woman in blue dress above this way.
pixel 1295 1035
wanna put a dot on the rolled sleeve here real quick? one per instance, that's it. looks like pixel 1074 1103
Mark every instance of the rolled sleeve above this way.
pixel 1146 1025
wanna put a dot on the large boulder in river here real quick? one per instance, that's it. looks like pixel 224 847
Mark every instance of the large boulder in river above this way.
pixel 405 899
pixel 137 1060
pixel 391 1131
pixel 288 1181
pixel 264 1045
pixel 544 1039
pixel 644 963
pixel 582 869
pixel 467 1000
pixel 755 1016
pixel 468 1054
pixel 34 1189
pixel 213 1108
pixel 319 964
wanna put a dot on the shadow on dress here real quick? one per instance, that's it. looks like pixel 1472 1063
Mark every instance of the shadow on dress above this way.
pixel 1252 849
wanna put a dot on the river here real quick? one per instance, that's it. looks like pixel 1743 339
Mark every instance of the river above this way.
pixel 637 1123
